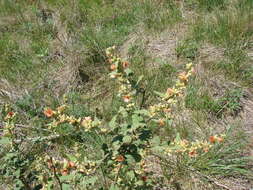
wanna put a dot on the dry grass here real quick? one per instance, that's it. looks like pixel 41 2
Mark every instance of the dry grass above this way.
pixel 9 92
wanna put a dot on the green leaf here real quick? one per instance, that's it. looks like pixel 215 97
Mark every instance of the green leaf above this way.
pixel 136 118
pixel 114 187
pixel 123 111
pixel 139 79
pixel 131 175
pixel 66 186
pixel 17 173
pixel 158 149
pixel 162 95
pixel 124 129
pixel 142 112
pixel 113 123
pixel 67 177
pixel 71 157
pixel 137 121
pixel 114 73
pixel 137 157
pixel 145 135
pixel 127 139
pixel 130 159
pixel 155 141
pixel 10 156
pixel 169 121
pixel 128 71
pixel 139 183
pixel 89 180
pixel 50 185
pixel 5 140
pixel 178 139
pixel 116 145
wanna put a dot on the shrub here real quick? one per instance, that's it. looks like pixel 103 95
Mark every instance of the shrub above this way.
pixel 66 150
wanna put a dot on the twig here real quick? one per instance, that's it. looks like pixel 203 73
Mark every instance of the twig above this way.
pixel 223 107
pixel 48 138
pixel 104 178
pixel 30 127
pixel 27 186
pixel 55 174
pixel 143 98
pixel 117 176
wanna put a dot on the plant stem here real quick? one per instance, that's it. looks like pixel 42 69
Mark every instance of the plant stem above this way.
pixel 55 174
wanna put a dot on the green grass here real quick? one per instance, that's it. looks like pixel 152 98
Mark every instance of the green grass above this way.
pixel 158 16
pixel 226 159
pixel 199 98
pixel 211 5
pixel 187 49
pixel 230 28
pixel 96 26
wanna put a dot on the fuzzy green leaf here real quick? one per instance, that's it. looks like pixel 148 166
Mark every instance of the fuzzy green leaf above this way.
pixel 127 139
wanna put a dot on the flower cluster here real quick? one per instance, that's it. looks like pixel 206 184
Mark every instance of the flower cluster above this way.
pixel 9 115
pixel 216 138
pixel 8 130
pixel 170 97
pixel 143 170
pixel 88 123
pixel 59 118
pixel 192 149
pixel 65 167
pixel 120 71
pixel 160 108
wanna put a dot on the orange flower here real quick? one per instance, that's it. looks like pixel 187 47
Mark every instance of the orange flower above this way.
pixel 120 158
pixel 167 110
pixel 170 92
pixel 86 122
pixel 10 114
pixel 161 122
pixel 113 67
pixel 64 172
pixel 183 77
pixel 126 98
pixel 48 112
pixel 144 178
pixel 49 164
pixel 71 164
pixel 212 139
pixel 206 149
pixel 220 139
pixel 125 64
pixel 193 153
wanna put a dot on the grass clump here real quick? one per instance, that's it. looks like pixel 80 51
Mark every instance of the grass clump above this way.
pixel 211 5
pixel 160 14
pixel 188 49
pixel 228 103
pixel 229 28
